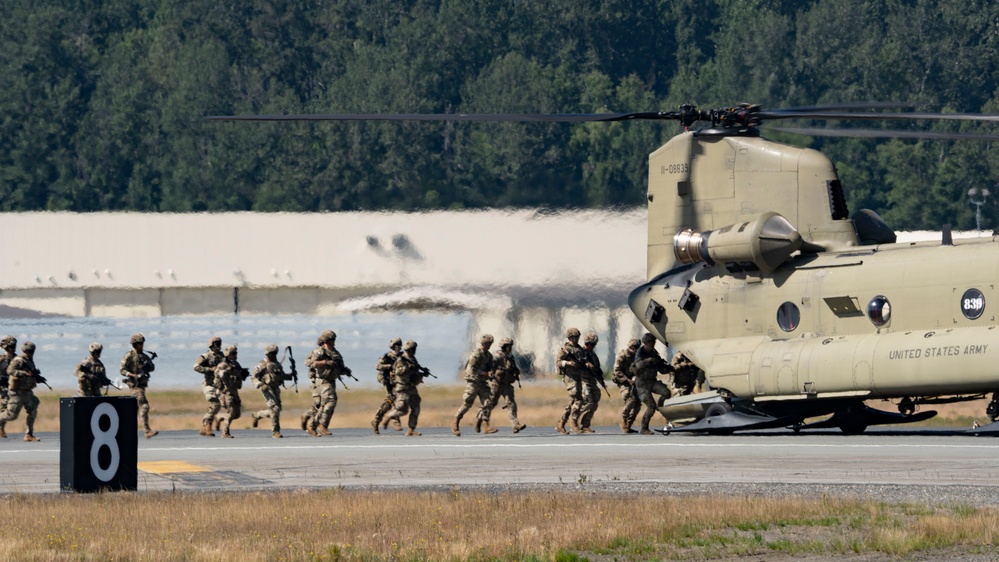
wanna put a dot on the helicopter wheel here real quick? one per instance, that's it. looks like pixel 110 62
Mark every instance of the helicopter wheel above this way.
pixel 906 407
pixel 852 428
pixel 719 409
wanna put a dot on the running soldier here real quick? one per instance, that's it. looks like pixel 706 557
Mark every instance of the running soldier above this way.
pixel 626 384
pixel 645 368
pixel 270 377
pixel 407 374
pixel 314 387
pixel 505 373
pixel 229 377
pixel 384 369
pixel 23 377
pixel 685 377
pixel 570 363
pixel 205 364
pixel 9 345
pixel 135 368
pixel 329 368
pixel 590 383
pixel 477 372
pixel 91 372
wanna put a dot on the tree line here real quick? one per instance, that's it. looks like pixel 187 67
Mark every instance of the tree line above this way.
pixel 103 101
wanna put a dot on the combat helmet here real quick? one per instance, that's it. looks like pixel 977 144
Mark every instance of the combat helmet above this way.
pixel 96 346
pixel 229 350
pixel 8 341
pixel 271 348
pixel 486 338
pixel 571 333
pixel 410 344
pixel 505 342
pixel 214 341
pixel 633 343
pixel 591 337
pixel 395 342
pixel 28 347
pixel 137 338
pixel 327 335
pixel 648 338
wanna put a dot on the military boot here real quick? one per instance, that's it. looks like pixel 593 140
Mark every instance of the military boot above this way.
pixel 586 430
pixel 574 424
pixel 478 425
pixel 227 435
pixel 323 430
pixel 487 429
pixel 151 433
pixel 255 421
pixel 396 424
pixel 413 433
pixel 3 431
pixel 305 422
pixel 29 438
pixel 454 428
pixel 374 426
pixel 206 428
pixel 312 430
pixel 276 435
pixel 626 428
pixel 518 427
pixel 646 431
pixel 560 427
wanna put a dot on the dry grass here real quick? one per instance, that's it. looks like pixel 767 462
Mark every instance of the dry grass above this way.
pixel 540 403
pixel 343 525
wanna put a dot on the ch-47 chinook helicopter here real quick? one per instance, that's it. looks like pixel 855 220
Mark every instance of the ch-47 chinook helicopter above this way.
pixel 793 308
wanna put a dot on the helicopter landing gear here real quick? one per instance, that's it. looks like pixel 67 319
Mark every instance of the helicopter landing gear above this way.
pixel 992 410
pixel 906 407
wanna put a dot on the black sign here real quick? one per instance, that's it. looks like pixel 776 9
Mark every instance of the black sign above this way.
pixel 972 304
pixel 98 443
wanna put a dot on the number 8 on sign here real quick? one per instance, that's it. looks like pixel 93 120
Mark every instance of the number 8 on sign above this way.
pixel 104 439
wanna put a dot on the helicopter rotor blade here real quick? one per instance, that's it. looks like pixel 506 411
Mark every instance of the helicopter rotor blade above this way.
pixel 476 117
pixel 848 116
pixel 883 133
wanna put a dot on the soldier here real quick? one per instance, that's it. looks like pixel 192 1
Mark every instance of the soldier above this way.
pixel 270 377
pixel 384 369
pixel 91 372
pixel 570 364
pixel 407 374
pixel 9 345
pixel 205 364
pixel 685 375
pixel 314 387
pixel 328 366
pixel 505 373
pixel 592 376
pixel 645 367
pixel 23 377
pixel 477 372
pixel 229 377
pixel 135 369
pixel 625 382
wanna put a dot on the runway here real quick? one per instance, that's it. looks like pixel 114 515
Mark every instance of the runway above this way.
pixel 184 461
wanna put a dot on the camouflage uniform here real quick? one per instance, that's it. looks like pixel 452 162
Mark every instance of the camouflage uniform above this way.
pixel 589 386
pixel 23 377
pixel 9 345
pixel 477 371
pixel 384 369
pixel 229 377
pixel 505 373
pixel 407 374
pixel 205 364
pixel 91 372
pixel 135 368
pixel 570 363
pixel 646 365
pixel 328 366
pixel 685 375
pixel 624 380
pixel 269 377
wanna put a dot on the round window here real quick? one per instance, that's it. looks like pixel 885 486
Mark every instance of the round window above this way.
pixel 788 316
pixel 879 311
pixel 972 304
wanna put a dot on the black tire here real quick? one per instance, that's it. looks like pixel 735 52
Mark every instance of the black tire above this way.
pixel 852 428
pixel 718 409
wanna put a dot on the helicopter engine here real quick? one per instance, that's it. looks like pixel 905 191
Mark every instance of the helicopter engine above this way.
pixel 766 242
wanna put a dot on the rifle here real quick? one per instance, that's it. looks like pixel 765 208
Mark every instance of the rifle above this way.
pixel 426 372
pixel 41 379
pixel 294 369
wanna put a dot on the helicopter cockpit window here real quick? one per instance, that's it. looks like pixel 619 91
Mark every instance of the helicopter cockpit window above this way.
pixel 879 311
pixel 788 316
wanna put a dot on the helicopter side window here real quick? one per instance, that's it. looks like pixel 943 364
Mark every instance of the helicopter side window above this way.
pixel 879 311
pixel 788 316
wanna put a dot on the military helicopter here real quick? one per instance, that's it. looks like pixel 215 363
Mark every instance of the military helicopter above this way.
pixel 793 308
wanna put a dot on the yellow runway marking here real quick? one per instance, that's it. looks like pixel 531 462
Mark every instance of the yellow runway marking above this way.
pixel 170 467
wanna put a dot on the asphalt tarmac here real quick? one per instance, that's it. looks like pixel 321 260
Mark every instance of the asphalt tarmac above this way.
pixel 928 461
